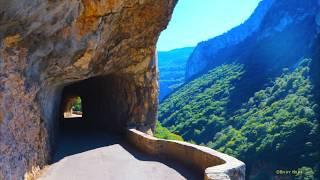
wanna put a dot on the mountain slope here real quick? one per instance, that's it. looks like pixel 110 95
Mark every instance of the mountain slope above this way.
pixel 286 34
pixel 254 92
pixel 277 127
pixel 199 107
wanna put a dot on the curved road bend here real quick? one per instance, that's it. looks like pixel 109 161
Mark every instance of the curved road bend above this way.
pixel 95 156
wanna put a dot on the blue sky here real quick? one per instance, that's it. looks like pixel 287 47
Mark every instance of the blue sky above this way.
pixel 194 21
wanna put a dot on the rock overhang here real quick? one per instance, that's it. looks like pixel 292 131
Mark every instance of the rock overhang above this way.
pixel 47 45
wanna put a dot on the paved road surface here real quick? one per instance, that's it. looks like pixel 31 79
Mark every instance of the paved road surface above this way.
pixel 95 156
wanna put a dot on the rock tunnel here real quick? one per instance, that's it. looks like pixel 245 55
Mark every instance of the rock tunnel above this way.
pixel 102 51
pixel 105 102
pixel 110 103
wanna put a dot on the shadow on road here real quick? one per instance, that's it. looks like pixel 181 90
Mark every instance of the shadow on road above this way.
pixel 77 136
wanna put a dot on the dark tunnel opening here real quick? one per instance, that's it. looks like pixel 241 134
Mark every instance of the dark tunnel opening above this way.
pixel 103 105
pixel 104 113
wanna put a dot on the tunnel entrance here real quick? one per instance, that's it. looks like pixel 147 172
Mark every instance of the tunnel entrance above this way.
pixel 109 105
pixel 97 104
pixel 90 112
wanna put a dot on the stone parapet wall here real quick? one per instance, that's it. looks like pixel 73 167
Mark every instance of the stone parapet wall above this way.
pixel 215 165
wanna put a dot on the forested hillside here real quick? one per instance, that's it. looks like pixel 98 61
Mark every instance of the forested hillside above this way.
pixel 277 128
pixel 198 109
pixel 278 125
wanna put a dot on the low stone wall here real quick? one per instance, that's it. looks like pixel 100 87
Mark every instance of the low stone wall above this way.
pixel 215 165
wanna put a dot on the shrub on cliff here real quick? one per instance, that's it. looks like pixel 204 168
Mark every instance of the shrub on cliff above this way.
pixel 163 133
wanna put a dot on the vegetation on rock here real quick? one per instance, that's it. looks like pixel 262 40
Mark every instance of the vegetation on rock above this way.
pixel 163 133
pixel 77 105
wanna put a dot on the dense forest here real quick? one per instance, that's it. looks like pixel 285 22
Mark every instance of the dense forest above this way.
pixel 277 128
pixel 198 108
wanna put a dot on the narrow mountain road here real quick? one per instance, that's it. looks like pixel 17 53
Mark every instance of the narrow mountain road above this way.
pixel 95 156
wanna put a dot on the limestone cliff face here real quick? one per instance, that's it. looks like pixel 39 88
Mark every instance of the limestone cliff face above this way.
pixel 263 38
pixel 205 51
pixel 278 35
pixel 46 45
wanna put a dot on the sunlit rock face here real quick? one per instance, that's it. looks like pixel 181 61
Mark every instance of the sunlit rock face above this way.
pixel 46 45
pixel 207 50
pixel 278 35
pixel 287 26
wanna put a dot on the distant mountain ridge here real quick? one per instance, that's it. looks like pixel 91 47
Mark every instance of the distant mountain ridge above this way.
pixel 172 66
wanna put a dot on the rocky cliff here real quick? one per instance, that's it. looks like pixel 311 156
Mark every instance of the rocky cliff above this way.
pixel 206 51
pixel 273 23
pixel 47 45
pixel 281 34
